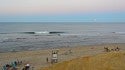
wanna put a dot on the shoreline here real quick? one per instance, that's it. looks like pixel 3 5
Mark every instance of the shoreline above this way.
pixel 60 47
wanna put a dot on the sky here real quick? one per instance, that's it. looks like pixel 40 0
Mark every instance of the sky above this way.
pixel 62 10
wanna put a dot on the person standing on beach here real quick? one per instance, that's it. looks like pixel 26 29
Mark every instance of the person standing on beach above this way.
pixel 47 60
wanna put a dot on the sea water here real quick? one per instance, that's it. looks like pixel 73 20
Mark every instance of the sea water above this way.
pixel 21 36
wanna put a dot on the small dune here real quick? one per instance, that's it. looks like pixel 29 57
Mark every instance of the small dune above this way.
pixel 105 61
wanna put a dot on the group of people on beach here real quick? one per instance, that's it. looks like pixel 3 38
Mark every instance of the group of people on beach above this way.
pixel 106 49
pixel 12 66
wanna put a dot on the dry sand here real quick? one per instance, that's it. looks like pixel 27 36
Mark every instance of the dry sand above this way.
pixel 37 59
pixel 107 61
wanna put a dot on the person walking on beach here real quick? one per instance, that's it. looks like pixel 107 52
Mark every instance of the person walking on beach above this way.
pixel 47 60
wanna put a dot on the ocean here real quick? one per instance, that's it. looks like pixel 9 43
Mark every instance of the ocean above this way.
pixel 23 36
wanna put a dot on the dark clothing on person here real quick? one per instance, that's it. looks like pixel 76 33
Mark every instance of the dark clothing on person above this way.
pixel 47 59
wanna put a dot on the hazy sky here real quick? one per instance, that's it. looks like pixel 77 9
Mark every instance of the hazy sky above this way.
pixel 62 10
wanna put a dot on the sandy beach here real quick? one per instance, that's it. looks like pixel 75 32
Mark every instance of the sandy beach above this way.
pixel 37 59
pixel 62 34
